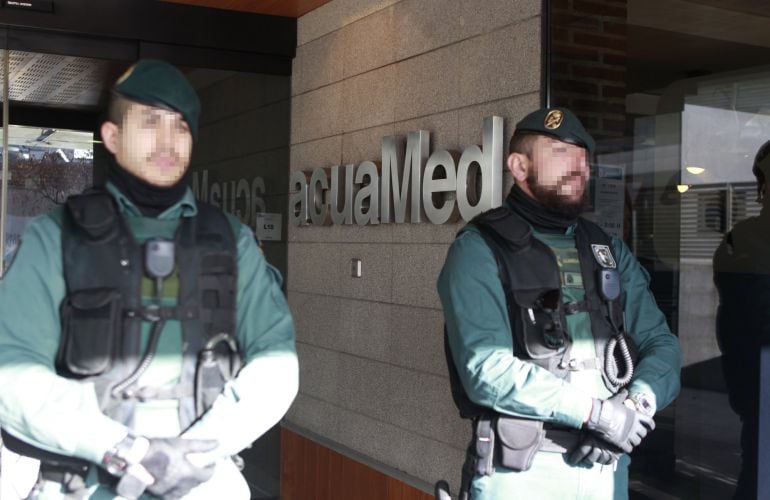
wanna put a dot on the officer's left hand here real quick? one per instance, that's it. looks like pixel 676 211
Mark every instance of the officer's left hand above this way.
pixel 592 449
pixel 613 421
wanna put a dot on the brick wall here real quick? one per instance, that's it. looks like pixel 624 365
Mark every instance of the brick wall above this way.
pixel 588 62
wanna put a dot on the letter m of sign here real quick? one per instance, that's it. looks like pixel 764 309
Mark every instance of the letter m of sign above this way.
pixel 400 186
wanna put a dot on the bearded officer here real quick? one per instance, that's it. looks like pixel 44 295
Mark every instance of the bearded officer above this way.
pixel 558 352
pixel 144 339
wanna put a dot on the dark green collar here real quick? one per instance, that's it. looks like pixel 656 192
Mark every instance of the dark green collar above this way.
pixel 185 207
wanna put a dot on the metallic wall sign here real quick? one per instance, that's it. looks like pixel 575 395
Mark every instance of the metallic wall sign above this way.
pixel 298 200
pixel 367 204
pixel 401 180
pixel 319 209
pixel 409 185
pixel 341 195
pixel 439 208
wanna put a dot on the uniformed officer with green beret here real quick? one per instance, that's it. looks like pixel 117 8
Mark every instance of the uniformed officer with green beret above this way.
pixel 144 339
pixel 558 352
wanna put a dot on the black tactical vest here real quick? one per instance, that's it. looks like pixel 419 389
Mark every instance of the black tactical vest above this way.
pixel 531 281
pixel 102 313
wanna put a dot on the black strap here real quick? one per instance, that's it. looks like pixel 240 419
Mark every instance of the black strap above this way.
pixel 148 393
pixel 157 313
pixel 63 474
pixel 588 233
pixel 576 307
pixel 20 447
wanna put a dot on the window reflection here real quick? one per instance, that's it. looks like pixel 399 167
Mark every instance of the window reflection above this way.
pixel 45 166
pixel 677 95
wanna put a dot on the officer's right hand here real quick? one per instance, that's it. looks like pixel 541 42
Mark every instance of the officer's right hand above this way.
pixel 618 424
pixel 592 450
pixel 174 474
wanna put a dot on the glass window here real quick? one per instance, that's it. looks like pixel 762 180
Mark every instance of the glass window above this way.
pixel 677 94
pixel 45 167
pixel 47 162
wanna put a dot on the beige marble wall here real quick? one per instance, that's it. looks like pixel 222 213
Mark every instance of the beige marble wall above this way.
pixel 373 376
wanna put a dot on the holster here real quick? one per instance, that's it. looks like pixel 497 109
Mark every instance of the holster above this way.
pixel 484 443
pixel 518 441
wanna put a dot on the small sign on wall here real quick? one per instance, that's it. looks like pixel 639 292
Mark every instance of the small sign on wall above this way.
pixel 268 227
pixel 37 5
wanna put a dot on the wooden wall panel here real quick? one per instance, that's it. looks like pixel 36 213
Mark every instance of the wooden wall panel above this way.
pixel 310 471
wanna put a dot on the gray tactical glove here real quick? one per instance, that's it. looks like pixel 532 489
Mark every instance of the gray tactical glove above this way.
pixel 164 470
pixel 592 450
pixel 174 475
pixel 618 424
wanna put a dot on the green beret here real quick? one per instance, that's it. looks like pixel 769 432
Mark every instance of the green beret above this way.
pixel 559 123
pixel 159 84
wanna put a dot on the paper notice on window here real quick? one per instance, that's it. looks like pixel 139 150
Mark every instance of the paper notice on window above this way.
pixel 609 196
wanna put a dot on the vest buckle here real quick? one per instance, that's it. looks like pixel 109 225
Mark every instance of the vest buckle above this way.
pixel 151 313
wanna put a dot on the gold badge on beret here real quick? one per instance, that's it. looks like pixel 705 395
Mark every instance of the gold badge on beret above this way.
pixel 553 119
pixel 125 75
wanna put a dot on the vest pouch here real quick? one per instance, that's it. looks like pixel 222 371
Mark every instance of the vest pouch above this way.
pixel 90 323
pixel 543 323
pixel 517 441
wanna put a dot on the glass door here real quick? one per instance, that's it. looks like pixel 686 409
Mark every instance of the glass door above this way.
pixel 45 166
pixel 44 159
pixel 682 110
pixel 41 166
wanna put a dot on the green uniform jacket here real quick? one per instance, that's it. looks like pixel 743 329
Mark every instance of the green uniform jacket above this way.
pixel 62 415
pixel 480 337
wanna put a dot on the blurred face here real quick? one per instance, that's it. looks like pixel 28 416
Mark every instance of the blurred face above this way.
pixel 555 174
pixel 154 144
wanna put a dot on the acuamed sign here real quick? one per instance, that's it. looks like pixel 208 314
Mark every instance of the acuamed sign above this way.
pixel 408 185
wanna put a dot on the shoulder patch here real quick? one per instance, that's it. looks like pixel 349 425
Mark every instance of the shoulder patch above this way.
pixel 603 256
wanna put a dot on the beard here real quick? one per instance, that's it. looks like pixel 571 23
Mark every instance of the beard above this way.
pixel 551 200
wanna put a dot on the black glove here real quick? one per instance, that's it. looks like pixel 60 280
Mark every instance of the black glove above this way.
pixel 171 474
pixel 592 450
pixel 618 424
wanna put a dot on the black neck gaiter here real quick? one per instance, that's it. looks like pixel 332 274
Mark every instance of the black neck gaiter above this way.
pixel 150 200
pixel 537 215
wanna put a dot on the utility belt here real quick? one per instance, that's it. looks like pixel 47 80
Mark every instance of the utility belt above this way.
pixel 73 479
pixel 512 442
